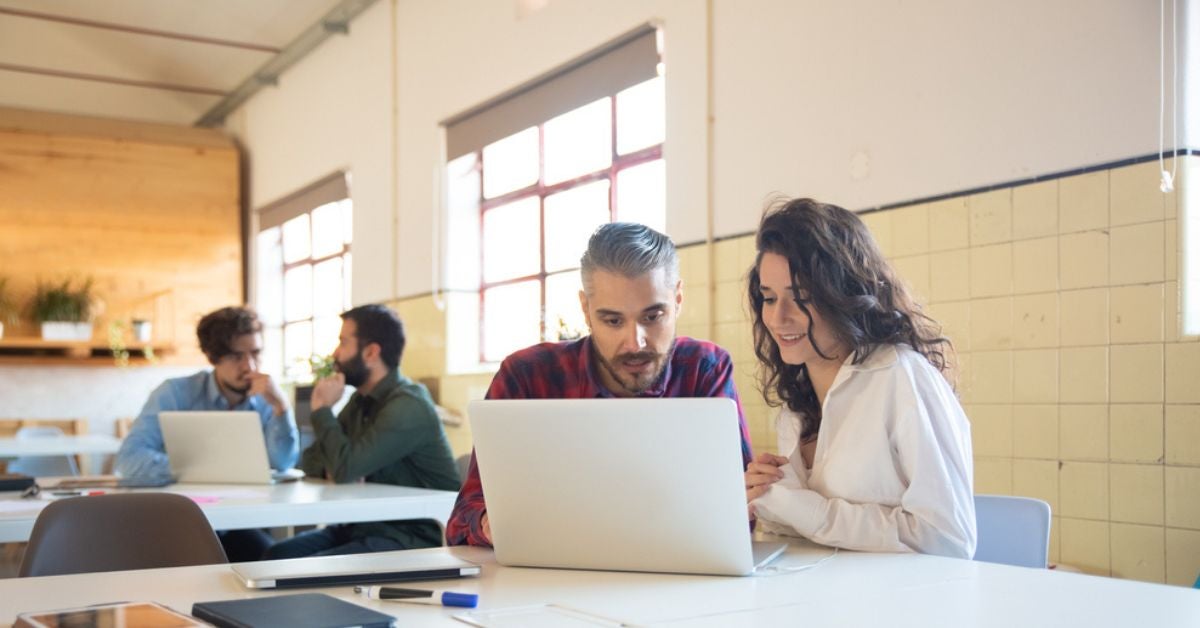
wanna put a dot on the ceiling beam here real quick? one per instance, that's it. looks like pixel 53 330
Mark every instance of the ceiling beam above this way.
pixel 136 30
pixel 336 21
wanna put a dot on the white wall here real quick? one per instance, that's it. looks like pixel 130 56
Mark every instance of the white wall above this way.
pixel 863 102
pixel 934 96
pixel 99 394
pixel 330 112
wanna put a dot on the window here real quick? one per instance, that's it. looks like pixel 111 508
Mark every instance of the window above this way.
pixel 522 205
pixel 302 281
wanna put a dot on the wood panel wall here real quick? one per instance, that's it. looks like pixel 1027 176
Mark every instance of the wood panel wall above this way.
pixel 151 212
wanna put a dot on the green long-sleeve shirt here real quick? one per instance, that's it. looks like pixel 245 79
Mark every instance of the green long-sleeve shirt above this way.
pixel 391 435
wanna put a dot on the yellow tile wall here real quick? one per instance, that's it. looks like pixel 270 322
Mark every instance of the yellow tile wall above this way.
pixel 1062 302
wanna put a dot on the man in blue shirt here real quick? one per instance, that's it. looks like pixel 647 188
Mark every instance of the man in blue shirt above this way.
pixel 231 339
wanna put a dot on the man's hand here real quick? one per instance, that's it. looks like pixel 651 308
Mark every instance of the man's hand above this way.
pixel 761 473
pixel 263 384
pixel 328 391
pixel 487 529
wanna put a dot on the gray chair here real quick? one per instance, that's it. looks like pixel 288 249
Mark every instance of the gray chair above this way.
pixel 118 532
pixel 464 464
pixel 42 466
pixel 1012 530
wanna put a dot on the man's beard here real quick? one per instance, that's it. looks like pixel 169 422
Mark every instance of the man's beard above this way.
pixel 640 381
pixel 355 370
pixel 239 390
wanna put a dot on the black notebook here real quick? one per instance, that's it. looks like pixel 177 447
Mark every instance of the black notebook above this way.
pixel 304 610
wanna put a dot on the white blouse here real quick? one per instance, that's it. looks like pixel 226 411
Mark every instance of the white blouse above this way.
pixel 892 471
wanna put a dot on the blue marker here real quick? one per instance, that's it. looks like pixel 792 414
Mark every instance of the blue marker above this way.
pixel 419 596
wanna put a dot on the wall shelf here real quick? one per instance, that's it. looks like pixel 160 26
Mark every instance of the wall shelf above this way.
pixel 32 350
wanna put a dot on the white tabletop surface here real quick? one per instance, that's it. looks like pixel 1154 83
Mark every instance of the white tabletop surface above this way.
pixel 236 506
pixel 59 445
pixel 852 589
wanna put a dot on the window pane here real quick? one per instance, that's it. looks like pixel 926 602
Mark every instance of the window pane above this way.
pixel 297 293
pixel 325 334
pixel 642 194
pixel 511 316
pixel 564 316
pixel 272 355
pixel 295 239
pixel 641 116
pixel 510 240
pixel 327 287
pixel 578 142
pixel 297 349
pixel 268 277
pixel 347 220
pixel 328 232
pixel 511 163
pixel 571 217
pixel 346 275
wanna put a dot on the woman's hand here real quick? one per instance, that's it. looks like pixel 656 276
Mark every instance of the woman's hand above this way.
pixel 761 473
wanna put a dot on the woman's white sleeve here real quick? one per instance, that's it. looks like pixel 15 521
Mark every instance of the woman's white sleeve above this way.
pixel 936 515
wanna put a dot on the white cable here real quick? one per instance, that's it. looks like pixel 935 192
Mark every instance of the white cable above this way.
pixel 1174 89
pixel 1167 179
pixel 775 570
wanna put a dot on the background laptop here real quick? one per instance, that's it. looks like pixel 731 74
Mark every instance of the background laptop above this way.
pixel 219 447
pixel 325 571
pixel 621 484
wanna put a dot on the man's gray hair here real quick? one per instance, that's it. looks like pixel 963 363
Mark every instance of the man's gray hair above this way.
pixel 630 250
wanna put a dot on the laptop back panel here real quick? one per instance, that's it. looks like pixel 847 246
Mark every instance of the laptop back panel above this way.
pixel 324 571
pixel 219 447
pixel 615 484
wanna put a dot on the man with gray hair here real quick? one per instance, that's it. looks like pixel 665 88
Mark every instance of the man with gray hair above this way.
pixel 631 300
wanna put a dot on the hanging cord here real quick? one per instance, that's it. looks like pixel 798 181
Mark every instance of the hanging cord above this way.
pixel 777 570
pixel 1167 181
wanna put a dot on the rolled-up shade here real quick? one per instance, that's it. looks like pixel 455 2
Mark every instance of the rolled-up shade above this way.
pixel 623 63
pixel 327 190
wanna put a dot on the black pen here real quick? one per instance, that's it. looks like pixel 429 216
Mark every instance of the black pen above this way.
pixel 419 596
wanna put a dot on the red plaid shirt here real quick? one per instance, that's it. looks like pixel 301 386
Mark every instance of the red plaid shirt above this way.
pixel 564 371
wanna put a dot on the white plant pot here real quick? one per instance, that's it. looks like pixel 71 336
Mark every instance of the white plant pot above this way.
pixel 142 332
pixel 66 331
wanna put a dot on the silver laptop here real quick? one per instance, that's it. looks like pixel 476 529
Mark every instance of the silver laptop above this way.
pixel 616 484
pixel 219 447
pixel 325 571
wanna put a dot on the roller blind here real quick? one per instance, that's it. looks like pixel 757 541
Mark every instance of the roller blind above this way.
pixel 329 189
pixel 623 63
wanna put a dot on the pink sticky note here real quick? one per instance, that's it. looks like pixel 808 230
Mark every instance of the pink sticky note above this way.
pixel 204 499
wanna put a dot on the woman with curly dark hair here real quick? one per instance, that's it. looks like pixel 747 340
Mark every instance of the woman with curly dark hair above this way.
pixel 877 449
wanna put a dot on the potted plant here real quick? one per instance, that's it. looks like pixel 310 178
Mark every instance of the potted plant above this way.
pixel 8 307
pixel 64 311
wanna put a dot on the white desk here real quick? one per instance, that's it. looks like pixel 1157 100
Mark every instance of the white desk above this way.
pixel 59 445
pixel 852 589
pixel 236 506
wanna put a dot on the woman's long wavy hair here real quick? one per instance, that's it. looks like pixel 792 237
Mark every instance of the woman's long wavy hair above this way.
pixel 835 262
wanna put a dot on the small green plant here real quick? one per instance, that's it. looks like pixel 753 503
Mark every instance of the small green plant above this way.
pixel 566 331
pixel 62 302
pixel 116 343
pixel 322 366
pixel 120 351
pixel 8 306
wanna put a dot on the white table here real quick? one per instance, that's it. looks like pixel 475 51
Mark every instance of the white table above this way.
pixel 59 445
pixel 852 589
pixel 236 506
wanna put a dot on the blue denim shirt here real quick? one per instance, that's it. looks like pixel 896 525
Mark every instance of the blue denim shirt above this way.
pixel 143 455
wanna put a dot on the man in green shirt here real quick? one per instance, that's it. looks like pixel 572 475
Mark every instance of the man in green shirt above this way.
pixel 388 433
